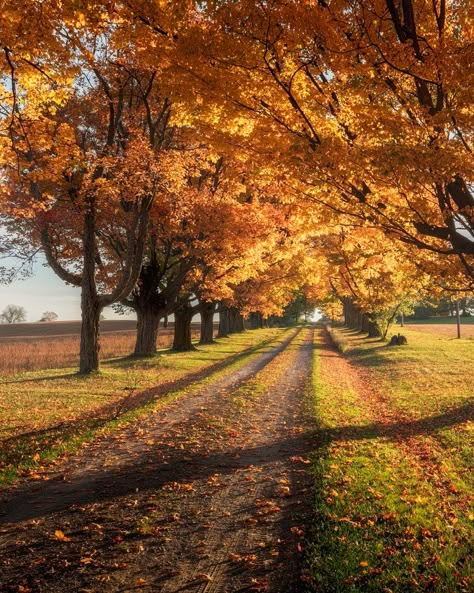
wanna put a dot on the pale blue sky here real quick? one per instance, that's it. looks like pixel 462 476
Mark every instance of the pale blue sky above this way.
pixel 44 291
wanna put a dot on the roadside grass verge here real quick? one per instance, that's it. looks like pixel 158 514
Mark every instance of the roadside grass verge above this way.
pixel 337 338
pixel 393 478
pixel 46 413
pixel 428 376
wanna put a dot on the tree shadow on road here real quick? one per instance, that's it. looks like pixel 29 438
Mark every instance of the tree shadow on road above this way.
pixel 19 448
pixel 145 473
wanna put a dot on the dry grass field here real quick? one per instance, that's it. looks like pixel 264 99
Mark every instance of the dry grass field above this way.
pixel 38 346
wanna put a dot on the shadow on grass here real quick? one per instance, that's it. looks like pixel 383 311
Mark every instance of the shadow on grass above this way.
pixel 146 472
pixel 20 448
pixel 47 378
pixel 399 431
pixel 336 543
pixel 370 357
pixel 107 489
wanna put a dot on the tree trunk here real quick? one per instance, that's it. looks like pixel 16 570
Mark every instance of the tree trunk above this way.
pixel 239 322
pixel 236 321
pixel 373 330
pixel 207 323
pixel 458 320
pixel 90 332
pixel 365 324
pixel 91 307
pixel 182 328
pixel 256 320
pixel 148 322
pixel 224 323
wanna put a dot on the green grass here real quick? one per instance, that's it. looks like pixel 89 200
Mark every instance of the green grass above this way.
pixel 429 375
pixel 441 320
pixel 393 474
pixel 46 413
pixel 338 339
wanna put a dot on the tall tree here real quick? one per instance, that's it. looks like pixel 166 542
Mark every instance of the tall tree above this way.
pixel 320 74
pixel 13 314
pixel 84 167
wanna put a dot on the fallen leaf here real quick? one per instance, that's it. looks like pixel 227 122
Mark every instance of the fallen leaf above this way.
pixel 58 534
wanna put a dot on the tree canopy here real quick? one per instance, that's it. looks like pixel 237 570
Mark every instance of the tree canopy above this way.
pixel 170 155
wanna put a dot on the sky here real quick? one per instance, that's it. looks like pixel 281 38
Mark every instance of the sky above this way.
pixel 44 291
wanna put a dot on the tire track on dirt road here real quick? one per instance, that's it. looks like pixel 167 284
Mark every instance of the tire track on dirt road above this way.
pixel 77 476
pixel 208 494
pixel 264 503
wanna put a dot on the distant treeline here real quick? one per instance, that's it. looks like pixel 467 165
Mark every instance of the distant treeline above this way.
pixel 443 308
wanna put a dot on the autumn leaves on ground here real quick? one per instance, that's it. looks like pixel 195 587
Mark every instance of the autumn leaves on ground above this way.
pixel 284 466
pixel 255 160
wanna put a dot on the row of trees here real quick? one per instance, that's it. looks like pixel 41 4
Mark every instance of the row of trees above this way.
pixel 182 157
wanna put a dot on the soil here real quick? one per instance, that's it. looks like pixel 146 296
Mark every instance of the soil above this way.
pixel 52 330
pixel 208 494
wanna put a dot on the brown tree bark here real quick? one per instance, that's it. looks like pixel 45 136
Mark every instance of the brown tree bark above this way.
pixel 90 332
pixel 236 321
pixel 91 306
pixel 148 322
pixel 206 310
pixel 183 316
pixel 372 330
pixel 224 322
pixel 256 320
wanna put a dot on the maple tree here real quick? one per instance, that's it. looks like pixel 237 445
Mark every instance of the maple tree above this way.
pixel 320 74
pixel 168 258
pixel 287 266
pixel 83 171
pixel 233 234
pixel 95 96
pixel 375 281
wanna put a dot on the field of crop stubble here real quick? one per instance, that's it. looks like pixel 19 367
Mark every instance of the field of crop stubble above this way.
pixel 37 346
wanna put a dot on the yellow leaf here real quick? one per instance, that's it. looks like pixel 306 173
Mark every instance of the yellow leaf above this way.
pixel 58 534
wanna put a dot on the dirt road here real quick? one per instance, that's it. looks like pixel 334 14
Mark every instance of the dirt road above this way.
pixel 209 494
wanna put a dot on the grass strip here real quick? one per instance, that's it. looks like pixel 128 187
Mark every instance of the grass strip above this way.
pixel 383 517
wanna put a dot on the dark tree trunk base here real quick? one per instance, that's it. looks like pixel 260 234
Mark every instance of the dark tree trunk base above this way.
pixel 182 329
pixel 147 333
pixel 207 323
pixel 184 348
